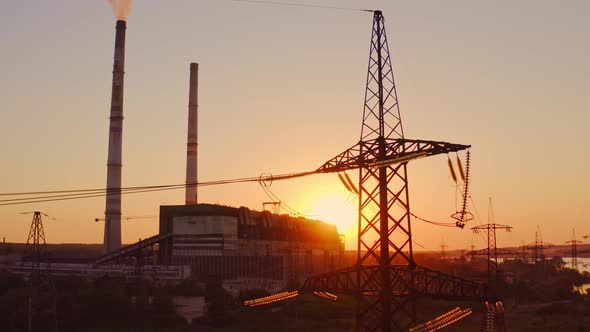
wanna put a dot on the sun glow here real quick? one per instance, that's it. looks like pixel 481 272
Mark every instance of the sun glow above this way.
pixel 335 207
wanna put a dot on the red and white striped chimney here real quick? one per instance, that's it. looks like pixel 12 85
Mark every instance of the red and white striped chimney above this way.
pixel 112 224
pixel 191 144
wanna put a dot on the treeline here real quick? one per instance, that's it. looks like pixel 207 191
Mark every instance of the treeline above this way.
pixel 522 281
pixel 72 304
pixel 546 281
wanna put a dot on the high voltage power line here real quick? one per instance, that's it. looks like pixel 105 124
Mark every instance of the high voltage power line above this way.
pixel 292 4
pixel 62 195
pixel 283 205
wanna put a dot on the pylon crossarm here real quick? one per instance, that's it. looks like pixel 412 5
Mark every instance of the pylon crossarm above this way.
pixel 398 150
pixel 342 281
pixel 422 281
pixel 479 228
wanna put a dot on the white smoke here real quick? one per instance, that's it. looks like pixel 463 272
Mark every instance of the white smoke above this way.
pixel 121 8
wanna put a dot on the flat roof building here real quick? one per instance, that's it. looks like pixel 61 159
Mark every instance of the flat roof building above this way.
pixel 241 244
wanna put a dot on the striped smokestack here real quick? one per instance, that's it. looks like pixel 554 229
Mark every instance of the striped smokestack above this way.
pixel 191 145
pixel 112 224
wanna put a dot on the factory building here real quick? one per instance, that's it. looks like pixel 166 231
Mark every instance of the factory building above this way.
pixel 247 247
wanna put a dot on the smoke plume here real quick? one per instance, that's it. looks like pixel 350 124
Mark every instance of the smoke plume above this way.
pixel 121 8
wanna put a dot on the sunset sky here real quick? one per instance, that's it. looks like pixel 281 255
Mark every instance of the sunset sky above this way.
pixel 281 90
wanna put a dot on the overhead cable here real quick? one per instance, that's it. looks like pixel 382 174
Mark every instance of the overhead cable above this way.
pixel 62 195
pixel 291 4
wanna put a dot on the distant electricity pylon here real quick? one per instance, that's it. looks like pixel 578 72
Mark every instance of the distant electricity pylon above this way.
pixel 538 247
pixel 491 251
pixel 36 243
pixel 35 247
pixel 574 252
pixel 443 246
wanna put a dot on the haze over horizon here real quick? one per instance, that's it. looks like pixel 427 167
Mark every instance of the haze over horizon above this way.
pixel 281 90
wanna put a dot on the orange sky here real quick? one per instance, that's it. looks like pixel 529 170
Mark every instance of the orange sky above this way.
pixel 281 90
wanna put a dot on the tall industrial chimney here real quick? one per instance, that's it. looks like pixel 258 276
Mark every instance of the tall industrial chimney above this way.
pixel 112 224
pixel 191 144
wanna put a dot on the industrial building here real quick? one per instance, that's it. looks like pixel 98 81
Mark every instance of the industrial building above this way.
pixel 251 249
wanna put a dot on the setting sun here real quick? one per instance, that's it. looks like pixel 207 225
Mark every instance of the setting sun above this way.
pixel 335 206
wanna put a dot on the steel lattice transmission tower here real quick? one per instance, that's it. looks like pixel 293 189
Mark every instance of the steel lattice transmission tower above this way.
pixel 42 289
pixel 36 245
pixel 443 246
pixel 492 251
pixel 382 190
pixel 537 247
pixel 574 253
pixel 385 279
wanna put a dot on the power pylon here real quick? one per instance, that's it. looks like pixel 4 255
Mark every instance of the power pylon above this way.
pixel 538 255
pixel 35 248
pixel 537 247
pixel 493 320
pixel 443 246
pixel 36 244
pixel 386 293
pixel 574 253
pixel 491 251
